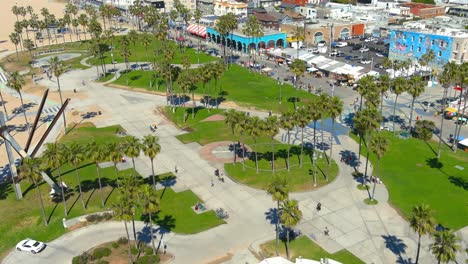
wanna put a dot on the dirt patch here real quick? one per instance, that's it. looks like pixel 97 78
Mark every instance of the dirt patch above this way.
pixel 222 259
pixel 216 117
pixel 207 152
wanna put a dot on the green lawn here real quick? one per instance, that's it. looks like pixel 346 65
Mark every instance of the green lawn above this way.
pixel 237 84
pixel 307 249
pixel 413 176
pixel 86 132
pixel 106 77
pixel 138 53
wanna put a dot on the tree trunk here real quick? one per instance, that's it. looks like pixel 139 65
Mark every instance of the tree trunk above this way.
pixel 289 149
pixel 442 117
pixel 394 111
pixel 130 256
pixel 331 141
pixel 63 193
pixel 324 152
pixel 79 187
pixel 133 162
pixel 375 180
pixel 367 157
pixel 277 226
pixel 151 233
pixel 302 147
pixel 272 155
pixel 152 174
pixel 256 157
pixel 100 185
pixel 24 110
pixel 134 229
pixel 315 140
pixel 39 195
pixel 287 243
pixel 411 114
pixel 419 248
pixel 233 145
pixel 193 105
pixel 61 102
pixel 458 124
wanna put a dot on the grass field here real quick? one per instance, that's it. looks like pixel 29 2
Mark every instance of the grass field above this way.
pixel 238 84
pixel 413 175
pixel 307 249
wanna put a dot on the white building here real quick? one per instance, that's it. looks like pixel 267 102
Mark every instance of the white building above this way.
pixel 224 7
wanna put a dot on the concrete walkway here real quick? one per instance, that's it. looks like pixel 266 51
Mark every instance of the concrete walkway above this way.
pixel 376 234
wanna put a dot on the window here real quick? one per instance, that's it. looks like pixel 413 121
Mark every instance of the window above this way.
pixel 412 48
pixel 412 38
pixel 457 46
pixel 419 49
pixel 439 54
pixel 432 42
pixel 420 39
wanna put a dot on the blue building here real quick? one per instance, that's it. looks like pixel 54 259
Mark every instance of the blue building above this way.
pixel 409 44
pixel 240 42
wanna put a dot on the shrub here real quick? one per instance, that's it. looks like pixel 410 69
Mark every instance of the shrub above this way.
pixel 107 216
pixel 115 244
pixel 122 240
pixel 94 218
pixel 148 250
pixel 101 261
pixel 84 258
pixel 101 252
pixel 148 259
pixel 134 250
pixel 424 128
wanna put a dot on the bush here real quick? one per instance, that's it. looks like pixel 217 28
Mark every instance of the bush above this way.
pixel 134 250
pixel 101 261
pixel 94 218
pixel 84 258
pixel 101 252
pixel 148 250
pixel 107 216
pixel 122 240
pixel 148 259
pixel 115 245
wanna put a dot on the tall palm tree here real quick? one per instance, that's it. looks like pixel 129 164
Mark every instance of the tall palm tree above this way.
pixel 400 85
pixel 15 39
pixel 378 146
pixel 446 79
pixel 324 107
pixel 254 129
pixel 151 148
pixel 126 53
pixel 132 148
pixel 253 30
pixel 335 112
pixel 114 152
pixel 75 154
pixel 97 153
pixel 301 119
pixel 16 82
pixel 146 42
pixel 30 169
pixel 315 114
pixel 415 89
pixel 383 85
pixel 243 128
pixel 123 211
pixel 287 122
pixel 298 67
pixel 271 129
pixel 231 120
pixel 422 222
pixel 58 69
pixel 54 157
pixel 445 245
pixel 150 205
pixel 279 191
pixel 290 216
pixel 133 37
pixel 129 187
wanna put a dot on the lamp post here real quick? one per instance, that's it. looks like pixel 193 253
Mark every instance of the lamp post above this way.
pixel 314 159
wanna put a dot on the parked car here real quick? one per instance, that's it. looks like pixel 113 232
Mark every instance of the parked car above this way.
pixel 340 54
pixel 314 51
pixel 379 66
pixel 365 61
pixel 334 53
pixel 321 43
pixel 379 55
pixel 349 57
pixel 357 47
pixel 363 49
pixel 341 44
pixel 30 245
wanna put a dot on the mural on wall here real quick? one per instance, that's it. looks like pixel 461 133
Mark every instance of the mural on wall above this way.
pixel 415 45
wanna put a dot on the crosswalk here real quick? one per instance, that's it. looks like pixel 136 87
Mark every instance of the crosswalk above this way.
pixel 51 110
pixel 3 77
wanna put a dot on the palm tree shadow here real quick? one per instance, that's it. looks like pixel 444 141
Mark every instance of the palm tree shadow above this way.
pixel 52 212
pixel 459 181
pixel 109 195
pixel 272 215
pixel 429 145
pixel 5 189
pixel 397 246
pixel 167 182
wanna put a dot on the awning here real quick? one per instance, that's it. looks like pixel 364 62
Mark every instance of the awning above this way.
pixel 451 109
pixel 266 69
pixel 312 69
pixel 197 30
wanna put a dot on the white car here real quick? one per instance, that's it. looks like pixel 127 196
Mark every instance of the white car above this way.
pixel 341 44
pixel 365 61
pixel 333 53
pixel 379 55
pixel 364 49
pixel 30 245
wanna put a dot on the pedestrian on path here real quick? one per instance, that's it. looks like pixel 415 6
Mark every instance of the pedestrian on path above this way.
pixel 212 183
pixel 175 169
pixel 319 206
pixel 326 231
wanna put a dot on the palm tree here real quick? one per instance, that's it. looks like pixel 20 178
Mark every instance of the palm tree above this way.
pixel 83 21
pixel 126 53
pixel 76 155
pixel 298 35
pixel 15 39
pixel 298 67
pixel 254 128
pixel 252 29
pixel 123 211
pixel 150 205
pixel 16 82
pixel 315 114
pixel 279 191
pixel 422 222
pixel 335 112
pixel 115 155
pixel 378 146
pixel 243 127
pixel 30 169
pixel 151 148
pixel 445 245
pixel 97 153
pixel 129 187
pixel 324 109
pixel 231 120
pixel 146 42
pixel 383 85
pixel 415 89
pixel 271 129
pixel 400 85
pixel 131 148
pixel 446 79
pixel 29 45
pixel 301 119
pixel 290 217
pixel 58 69
pixel 54 157
pixel 133 37
pixel 287 122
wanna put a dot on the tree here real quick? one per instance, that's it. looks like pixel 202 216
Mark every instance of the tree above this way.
pixel 15 39
pixel 29 45
pixel 384 84
pixel 423 129
pixel 132 148
pixel 446 79
pixel 115 155
pixel 54 157
pixel 279 191
pixel 231 120
pixel 123 211
pixel 445 245
pixel 225 26
pixel 30 169
pixel 335 112
pixel 146 42
pixel 150 205
pixel 254 128
pixel 290 217
pixel 299 36
pixel 129 188
pixel 126 53
pixel 137 10
pixel 422 222
pixel 287 122
pixel 314 112
pixel 151 148
pixel 217 69
pixel 271 129
pixel 253 30
pixel 58 69
pixel 378 146
pixel 324 107
pixel 298 67
pixel 301 119
pixel 133 37
pixel 83 21
pixel 97 153
pixel 16 82
pixel 197 15
pixel 75 154
pixel 415 89
pixel 400 85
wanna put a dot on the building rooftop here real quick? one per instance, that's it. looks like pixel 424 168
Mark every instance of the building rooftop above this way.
pixel 442 25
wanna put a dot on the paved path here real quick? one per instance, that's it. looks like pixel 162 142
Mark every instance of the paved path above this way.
pixel 377 234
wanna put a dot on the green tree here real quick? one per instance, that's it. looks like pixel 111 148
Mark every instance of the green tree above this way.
pixel 150 205
pixel 415 89
pixel 253 30
pixel 378 146
pixel 423 129
pixel 446 79
pixel 126 53
pixel 54 157
pixel 290 216
pixel 16 82
pixel 123 211
pixel 445 246
pixel 301 119
pixel 298 67
pixel 137 10
pixel 15 39
pixel 30 169
pixel 146 42
pixel 29 45
pixel 75 154
pixel 287 122
pixel 132 148
pixel 129 188
pixel 97 153
pixel 299 36
pixel 400 85
pixel 133 37
pixel 58 69
pixel 422 222
pixel 83 21
pixel 114 152
pixel 335 112
pixel 254 128
pixel 271 129
pixel 279 191
pixel 151 148
pixel 324 106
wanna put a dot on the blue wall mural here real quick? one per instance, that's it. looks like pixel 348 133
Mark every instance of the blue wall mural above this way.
pixel 412 45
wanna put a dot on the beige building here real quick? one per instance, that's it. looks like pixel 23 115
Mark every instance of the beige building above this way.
pixel 224 7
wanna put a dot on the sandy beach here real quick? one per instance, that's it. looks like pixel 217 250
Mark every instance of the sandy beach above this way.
pixel 7 19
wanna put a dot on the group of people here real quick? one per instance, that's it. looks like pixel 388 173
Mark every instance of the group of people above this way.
pixel 375 179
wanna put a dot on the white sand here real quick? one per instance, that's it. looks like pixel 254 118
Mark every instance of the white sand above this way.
pixel 7 19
